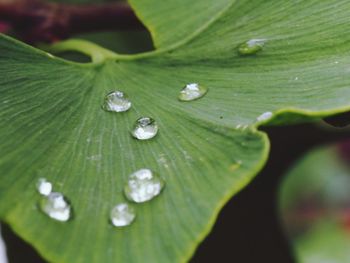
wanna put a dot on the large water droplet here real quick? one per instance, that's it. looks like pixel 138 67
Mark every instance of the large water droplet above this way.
pixel 56 206
pixel 122 215
pixel 145 128
pixel 143 185
pixel 251 46
pixel 265 116
pixel 116 101
pixel 43 186
pixel 192 91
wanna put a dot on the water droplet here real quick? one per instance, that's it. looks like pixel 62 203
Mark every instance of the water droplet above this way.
pixel 163 161
pixel 143 185
pixel 116 101
pixel 145 128
pixel 251 46
pixel 122 215
pixel 43 186
pixel 55 206
pixel 96 157
pixel 50 55
pixel 192 91
pixel 233 167
pixel 242 126
pixel 265 116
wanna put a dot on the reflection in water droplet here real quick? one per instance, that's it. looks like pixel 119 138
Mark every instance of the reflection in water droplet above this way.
pixel 55 206
pixel 43 186
pixel 143 185
pixel 192 91
pixel 145 128
pixel 116 101
pixel 265 116
pixel 122 215
pixel 251 46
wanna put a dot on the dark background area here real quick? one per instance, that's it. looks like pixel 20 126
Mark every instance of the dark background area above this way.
pixel 248 229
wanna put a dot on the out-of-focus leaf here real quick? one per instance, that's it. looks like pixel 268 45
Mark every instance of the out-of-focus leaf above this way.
pixel 315 207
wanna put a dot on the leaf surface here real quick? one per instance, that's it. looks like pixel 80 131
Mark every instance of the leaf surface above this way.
pixel 52 124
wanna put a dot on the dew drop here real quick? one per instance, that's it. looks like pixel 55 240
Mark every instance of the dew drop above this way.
pixel 145 128
pixel 251 46
pixel 242 126
pixel 143 185
pixel 265 116
pixel 192 91
pixel 43 186
pixel 56 206
pixel 116 101
pixel 233 167
pixel 122 215
pixel 50 55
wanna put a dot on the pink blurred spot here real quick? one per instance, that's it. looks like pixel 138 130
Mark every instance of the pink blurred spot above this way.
pixel 4 27
pixel 344 150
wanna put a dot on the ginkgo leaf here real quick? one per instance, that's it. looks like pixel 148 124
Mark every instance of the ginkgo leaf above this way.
pixel 206 150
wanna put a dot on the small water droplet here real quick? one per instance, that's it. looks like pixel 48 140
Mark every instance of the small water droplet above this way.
pixel 96 157
pixel 145 128
pixel 163 161
pixel 265 116
pixel 233 167
pixel 251 46
pixel 192 91
pixel 56 206
pixel 122 215
pixel 50 55
pixel 116 101
pixel 143 185
pixel 241 126
pixel 43 186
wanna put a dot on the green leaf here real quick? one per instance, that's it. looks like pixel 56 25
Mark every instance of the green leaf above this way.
pixel 314 202
pixel 53 125
pixel 173 22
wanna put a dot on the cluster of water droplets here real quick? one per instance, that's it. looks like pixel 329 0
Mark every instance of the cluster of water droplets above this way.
pixel 142 185
pixel 146 128
pixel 53 204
